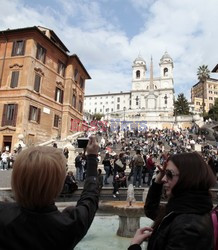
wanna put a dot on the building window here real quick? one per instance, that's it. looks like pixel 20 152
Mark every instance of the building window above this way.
pixel 80 106
pixel 118 99
pixel 210 98
pixel 118 106
pixel 81 83
pixel 34 114
pixel 37 82
pixel 56 121
pixel 165 71
pixel 112 110
pixel 76 73
pixel 137 100
pixel 74 100
pixel 18 48
pixel 14 79
pixel 197 103
pixel 9 115
pixel 59 95
pixel 165 99
pixel 41 53
pixel 138 74
pixel 61 68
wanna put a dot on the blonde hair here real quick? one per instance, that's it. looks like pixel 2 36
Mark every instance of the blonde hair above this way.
pixel 38 176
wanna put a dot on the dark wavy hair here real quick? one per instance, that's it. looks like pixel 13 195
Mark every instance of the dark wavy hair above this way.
pixel 194 173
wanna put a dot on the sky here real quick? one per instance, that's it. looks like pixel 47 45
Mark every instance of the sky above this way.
pixel 108 35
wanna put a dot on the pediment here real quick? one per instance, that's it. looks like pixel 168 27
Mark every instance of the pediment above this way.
pixel 8 129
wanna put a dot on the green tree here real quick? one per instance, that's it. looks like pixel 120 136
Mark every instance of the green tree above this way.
pixel 181 105
pixel 98 116
pixel 213 112
pixel 203 74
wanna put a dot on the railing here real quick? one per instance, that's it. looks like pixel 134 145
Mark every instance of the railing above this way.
pixel 105 194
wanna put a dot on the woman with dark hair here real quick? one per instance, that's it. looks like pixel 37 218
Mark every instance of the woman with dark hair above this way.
pixel 185 222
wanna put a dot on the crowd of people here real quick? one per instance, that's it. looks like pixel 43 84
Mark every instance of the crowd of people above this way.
pixel 133 157
pixel 7 158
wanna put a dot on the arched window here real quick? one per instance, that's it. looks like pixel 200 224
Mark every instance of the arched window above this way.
pixel 165 71
pixel 138 74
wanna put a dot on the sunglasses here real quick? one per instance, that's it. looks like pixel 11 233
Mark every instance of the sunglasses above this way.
pixel 169 174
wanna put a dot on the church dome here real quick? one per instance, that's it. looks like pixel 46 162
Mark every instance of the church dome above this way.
pixel 166 58
pixel 139 60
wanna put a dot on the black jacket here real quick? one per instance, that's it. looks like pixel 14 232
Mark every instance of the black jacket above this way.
pixel 48 228
pixel 187 224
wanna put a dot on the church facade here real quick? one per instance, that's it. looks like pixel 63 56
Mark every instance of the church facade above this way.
pixel 150 99
pixel 153 94
pixel 150 102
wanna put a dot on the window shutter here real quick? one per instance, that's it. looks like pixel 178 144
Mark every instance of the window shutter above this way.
pixel 44 55
pixel 13 49
pixel 4 115
pixel 14 79
pixel 15 115
pixel 59 67
pixel 56 120
pixel 37 51
pixel 30 112
pixel 37 82
pixel 39 115
pixel 56 92
pixel 62 96
pixel 23 48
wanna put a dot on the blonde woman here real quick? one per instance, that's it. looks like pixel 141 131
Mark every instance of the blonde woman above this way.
pixel 33 221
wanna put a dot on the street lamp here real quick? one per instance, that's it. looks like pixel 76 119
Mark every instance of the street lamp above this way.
pixel 124 109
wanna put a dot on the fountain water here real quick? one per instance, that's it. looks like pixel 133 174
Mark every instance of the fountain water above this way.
pixel 129 213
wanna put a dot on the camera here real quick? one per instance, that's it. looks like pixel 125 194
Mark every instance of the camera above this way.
pixel 82 142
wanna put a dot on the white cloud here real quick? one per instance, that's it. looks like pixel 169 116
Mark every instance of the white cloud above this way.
pixel 186 29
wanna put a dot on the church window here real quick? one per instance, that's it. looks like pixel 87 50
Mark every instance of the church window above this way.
pixel 137 100
pixel 165 99
pixel 138 74
pixel 165 71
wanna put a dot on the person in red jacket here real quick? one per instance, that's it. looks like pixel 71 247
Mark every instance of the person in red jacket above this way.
pixel 151 168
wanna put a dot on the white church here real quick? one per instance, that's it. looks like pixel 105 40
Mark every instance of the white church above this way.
pixel 150 102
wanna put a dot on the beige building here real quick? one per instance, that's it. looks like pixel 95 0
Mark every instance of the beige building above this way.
pixel 41 87
pixel 210 94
